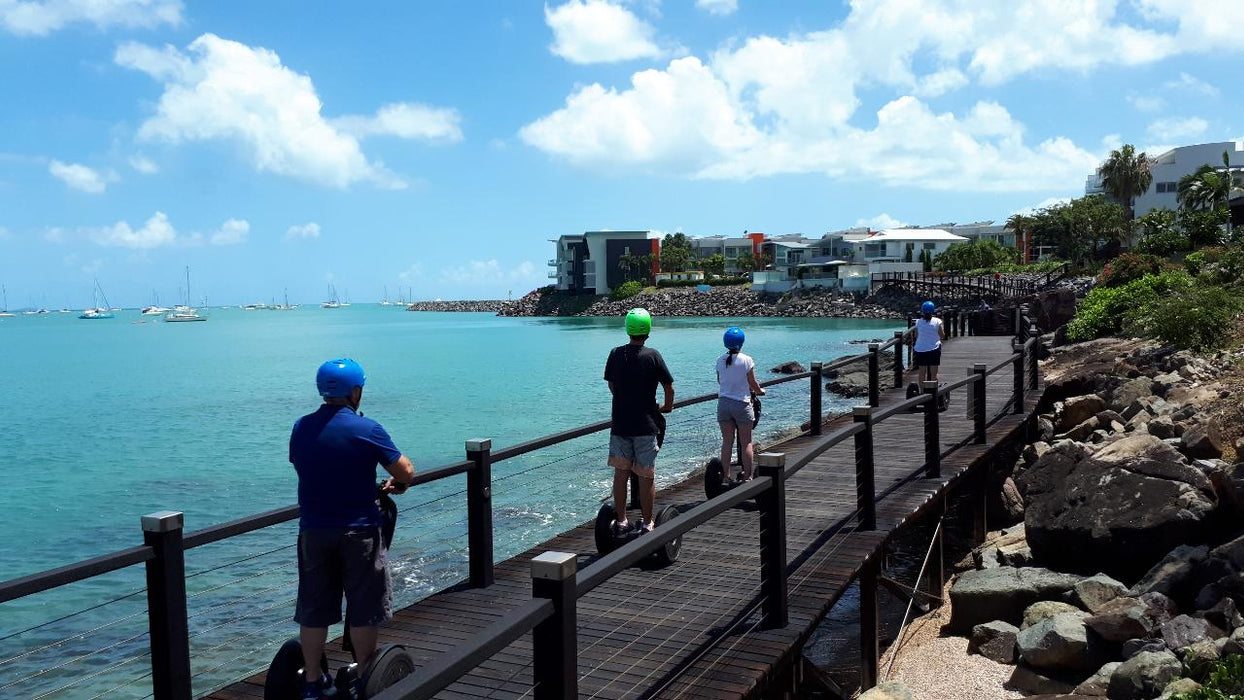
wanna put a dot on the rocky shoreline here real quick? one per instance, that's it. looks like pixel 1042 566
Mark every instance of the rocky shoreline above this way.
pixel 490 305
pixel 734 301
pixel 1123 576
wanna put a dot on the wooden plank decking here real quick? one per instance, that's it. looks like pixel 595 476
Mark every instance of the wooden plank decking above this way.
pixel 688 630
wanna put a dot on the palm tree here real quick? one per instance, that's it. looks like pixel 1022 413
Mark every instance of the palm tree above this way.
pixel 1125 174
pixel 1207 188
pixel 1022 225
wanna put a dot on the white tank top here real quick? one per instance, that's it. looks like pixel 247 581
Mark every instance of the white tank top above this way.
pixel 928 337
pixel 732 379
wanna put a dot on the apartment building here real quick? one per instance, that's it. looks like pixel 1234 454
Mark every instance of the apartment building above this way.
pixel 730 248
pixel 1170 166
pixel 588 263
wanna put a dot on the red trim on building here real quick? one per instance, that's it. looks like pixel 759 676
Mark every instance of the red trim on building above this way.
pixel 656 256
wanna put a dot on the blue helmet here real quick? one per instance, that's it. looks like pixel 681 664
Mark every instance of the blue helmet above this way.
pixel 928 307
pixel 337 378
pixel 733 338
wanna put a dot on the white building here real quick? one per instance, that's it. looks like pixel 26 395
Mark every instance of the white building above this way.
pixel 588 262
pixel 1167 169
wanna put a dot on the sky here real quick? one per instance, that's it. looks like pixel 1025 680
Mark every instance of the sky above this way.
pixel 433 149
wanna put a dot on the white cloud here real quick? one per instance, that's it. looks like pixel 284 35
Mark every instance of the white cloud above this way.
pixel 408 121
pixel 880 222
pixel 718 7
pixel 598 31
pixel 413 272
pixel 767 105
pixel 42 17
pixel 1192 84
pixel 307 230
pixel 1043 204
pixel 477 272
pixel 79 177
pixel 221 90
pixel 232 232
pixel 155 233
pixel 1177 129
pixel 143 165
pixel 1146 103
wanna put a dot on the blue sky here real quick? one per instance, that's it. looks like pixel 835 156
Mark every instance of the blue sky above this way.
pixel 438 146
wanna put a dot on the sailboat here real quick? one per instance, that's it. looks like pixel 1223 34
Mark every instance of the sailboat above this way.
pixel 183 314
pixel 385 301
pixel 282 307
pixel 333 302
pixel 155 309
pixel 4 312
pixel 96 311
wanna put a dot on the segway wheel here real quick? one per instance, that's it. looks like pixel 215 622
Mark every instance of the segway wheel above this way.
pixel 604 529
pixel 391 664
pixel 669 553
pixel 714 473
pixel 913 390
pixel 285 681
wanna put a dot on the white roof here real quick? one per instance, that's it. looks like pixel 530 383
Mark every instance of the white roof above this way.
pixel 912 234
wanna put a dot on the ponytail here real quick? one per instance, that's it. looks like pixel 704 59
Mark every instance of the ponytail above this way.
pixel 730 356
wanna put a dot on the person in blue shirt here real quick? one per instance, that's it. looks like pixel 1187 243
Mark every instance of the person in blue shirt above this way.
pixel 335 451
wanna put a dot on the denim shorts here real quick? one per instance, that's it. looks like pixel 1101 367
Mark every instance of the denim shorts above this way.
pixel 734 411
pixel 342 561
pixel 636 453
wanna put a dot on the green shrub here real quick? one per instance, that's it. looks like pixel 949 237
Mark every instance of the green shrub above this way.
pixel 1162 243
pixel 1129 267
pixel 1196 261
pixel 626 290
pixel 972 256
pixel 1106 310
pixel 1225 682
pixel 1198 318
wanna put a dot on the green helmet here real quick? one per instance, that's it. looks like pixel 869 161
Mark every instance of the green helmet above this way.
pixel 638 322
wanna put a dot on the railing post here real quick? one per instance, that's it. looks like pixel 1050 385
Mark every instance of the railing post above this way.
pixel 932 432
pixel 166 606
pixel 978 403
pixel 874 371
pixel 870 633
pixel 1018 324
pixel 898 359
pixel 555 643
pixel 817 383
pixel 479 511
pixel 1018 365
pixel 772 504
pixel 1034 356
pixel 865 472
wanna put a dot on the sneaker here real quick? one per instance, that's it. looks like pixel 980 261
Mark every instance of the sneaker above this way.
pixel 648 527
pixel 317 689
pixel 621 529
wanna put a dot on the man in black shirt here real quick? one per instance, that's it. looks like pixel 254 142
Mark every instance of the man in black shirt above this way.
pixel 633 372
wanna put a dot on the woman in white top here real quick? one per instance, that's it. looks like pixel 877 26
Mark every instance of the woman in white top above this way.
pixel 736 382
pixel 930 332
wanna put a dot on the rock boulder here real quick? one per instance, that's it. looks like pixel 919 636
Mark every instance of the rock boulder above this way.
pixel 851 382
pixel 1002 594
pixel 1095 591
pixel 994 640
pixel 1059 643
pixel 791 367
pixel 1143 676
pixel 1078 409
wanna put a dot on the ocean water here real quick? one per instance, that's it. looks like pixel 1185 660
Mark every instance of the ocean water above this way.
pixel 108 420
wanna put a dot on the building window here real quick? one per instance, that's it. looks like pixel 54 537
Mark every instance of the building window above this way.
pixel 1164 187
pixel 874 250
pixel 930 246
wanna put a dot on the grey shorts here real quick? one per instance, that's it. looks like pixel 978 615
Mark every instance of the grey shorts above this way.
pixel 337 561
pixel 634 454
pixel 734 411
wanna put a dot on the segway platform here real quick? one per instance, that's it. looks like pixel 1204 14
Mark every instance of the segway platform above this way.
pixel 943 400
pixel 607 541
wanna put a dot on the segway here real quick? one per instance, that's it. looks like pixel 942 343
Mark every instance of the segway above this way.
pixel 715 473
pixel 606 542
pixel 389 664
pixel 943 399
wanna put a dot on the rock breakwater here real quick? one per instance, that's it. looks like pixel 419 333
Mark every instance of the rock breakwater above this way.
pixel 491 305
pixel 737 301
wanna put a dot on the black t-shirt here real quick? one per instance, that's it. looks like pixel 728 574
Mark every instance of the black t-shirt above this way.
pixel 635 371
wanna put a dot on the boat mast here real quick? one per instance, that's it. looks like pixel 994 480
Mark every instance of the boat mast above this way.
pixel 187 285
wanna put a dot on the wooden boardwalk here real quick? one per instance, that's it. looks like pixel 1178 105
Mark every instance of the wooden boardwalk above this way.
pixel 691 630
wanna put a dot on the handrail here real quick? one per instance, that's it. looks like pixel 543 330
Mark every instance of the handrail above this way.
pixel 71 573
pixel 901 407
pixel 240 526
pixel 632 552
pixel 445 668
pixel 947 388
pixel 826 443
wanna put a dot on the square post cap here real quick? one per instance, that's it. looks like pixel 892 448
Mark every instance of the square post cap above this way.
pixel 930 385
pixel 771 459
pixel 979 367
pixel 163 521
pixel 816 366
pixel 874 347
pixel 554 566
pixel 861 411
pixel 479 444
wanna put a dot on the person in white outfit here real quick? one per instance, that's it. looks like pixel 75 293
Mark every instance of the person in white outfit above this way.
pixel 736 382
pixel 930 332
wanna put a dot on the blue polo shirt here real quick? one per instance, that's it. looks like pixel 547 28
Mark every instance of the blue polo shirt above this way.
pixel 335 452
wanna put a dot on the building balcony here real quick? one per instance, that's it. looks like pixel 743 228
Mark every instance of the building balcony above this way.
pixel 554 263
pixel 552 274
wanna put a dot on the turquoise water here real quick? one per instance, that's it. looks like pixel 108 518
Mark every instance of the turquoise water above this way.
pixel 108 420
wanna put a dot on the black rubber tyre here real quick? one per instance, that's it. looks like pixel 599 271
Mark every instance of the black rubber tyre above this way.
pixel 943 401
pixel 391 664
pixel 284 681
pixel 669 553
pixel 714 473
pixel 604 529
pixel 913 390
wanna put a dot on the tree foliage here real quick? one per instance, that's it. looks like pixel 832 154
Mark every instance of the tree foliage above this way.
pixel 675 252
pixel 1207 188
pixel 974 256
pixel 1126 174
pixel 635 267
pixel 714 264
pixel 1080 228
